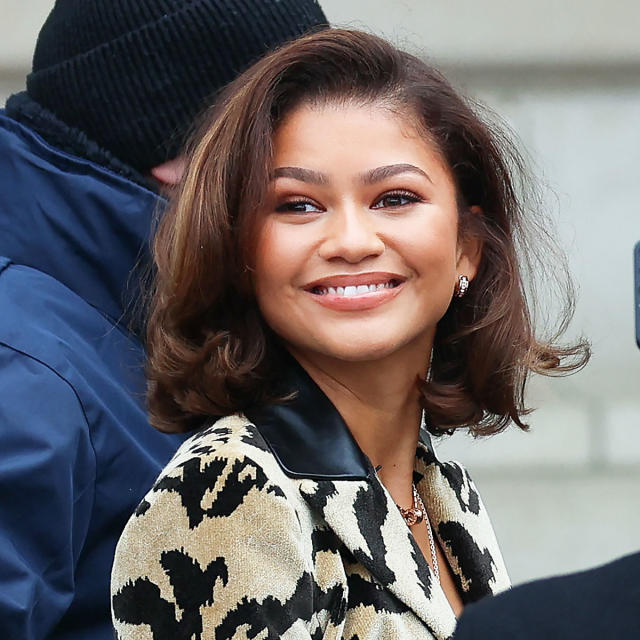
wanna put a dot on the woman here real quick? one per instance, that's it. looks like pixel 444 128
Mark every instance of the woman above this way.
pixel 340 259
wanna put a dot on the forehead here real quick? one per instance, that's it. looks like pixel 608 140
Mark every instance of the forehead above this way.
pixel 341 136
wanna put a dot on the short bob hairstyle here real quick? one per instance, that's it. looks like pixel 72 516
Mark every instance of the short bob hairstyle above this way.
pixel 209 351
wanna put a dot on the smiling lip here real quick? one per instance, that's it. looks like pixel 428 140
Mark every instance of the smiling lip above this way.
pixel 355 292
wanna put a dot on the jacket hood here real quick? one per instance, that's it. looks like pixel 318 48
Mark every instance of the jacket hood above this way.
pixel 73 219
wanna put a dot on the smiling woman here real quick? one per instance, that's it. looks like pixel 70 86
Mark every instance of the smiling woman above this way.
pixel 337 268
pixel 357 250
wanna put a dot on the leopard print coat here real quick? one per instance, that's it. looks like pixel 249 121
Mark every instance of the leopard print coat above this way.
pixel 277 526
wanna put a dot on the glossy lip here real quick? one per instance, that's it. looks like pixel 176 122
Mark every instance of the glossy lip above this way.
pixel 359 302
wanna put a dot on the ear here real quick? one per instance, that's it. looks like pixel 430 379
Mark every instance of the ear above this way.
pixel 170 173
pixel 469 253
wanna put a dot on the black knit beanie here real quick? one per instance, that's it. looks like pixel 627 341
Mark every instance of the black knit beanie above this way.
pixel 133 74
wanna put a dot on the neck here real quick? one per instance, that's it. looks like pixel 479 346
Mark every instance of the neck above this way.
pixel 379 401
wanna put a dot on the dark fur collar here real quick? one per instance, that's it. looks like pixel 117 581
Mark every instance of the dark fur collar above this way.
pixel 23 108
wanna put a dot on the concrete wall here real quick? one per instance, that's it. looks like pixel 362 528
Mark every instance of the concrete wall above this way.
pixel 566 77
pixel 564 496
pixel 18 30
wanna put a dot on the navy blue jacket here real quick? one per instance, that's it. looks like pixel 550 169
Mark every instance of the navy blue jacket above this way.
pixel 598 604
pixel 76 451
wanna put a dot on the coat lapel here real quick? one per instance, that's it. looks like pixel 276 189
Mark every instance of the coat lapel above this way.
pixel 313 445
pixel 462 525
pixel 364 517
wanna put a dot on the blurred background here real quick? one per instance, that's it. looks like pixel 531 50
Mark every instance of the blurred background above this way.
pixel 566 78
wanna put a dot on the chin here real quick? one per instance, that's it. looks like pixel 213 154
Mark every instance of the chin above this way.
pixel 359 351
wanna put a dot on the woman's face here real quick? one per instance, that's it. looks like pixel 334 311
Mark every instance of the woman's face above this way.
pixel 357 244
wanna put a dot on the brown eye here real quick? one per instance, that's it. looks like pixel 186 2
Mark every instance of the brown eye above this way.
pixel 396 199
pixel 298 206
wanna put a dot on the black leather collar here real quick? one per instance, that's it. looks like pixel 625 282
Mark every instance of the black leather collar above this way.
pixel 307 435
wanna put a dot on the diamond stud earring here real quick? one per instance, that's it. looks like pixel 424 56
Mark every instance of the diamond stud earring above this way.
pixel 461 286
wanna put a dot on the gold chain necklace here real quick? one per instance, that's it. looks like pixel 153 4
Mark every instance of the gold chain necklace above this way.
pixel 415 514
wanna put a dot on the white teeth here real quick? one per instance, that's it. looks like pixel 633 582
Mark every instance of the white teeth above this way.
pixel 354 290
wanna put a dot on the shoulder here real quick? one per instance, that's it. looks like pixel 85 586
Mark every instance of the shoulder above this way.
pixel 31 299
pixel 44 427
pixel 223 478
pixel 220 516
pixel 42 316
pixel 227 460
pixel 65 362
pixel 228 440
pixel 44 320
pixel 31 383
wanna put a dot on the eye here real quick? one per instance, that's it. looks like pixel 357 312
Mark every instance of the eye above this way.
pixel 395 199
pixel 298 206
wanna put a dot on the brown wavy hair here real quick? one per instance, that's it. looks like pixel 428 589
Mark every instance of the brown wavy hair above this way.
pixel 209 351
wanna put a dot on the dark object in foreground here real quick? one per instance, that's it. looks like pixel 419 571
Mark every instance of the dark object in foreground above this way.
pixel 636 286
pixel 598 603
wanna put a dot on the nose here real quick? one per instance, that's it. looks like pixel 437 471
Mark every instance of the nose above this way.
pixel 350 234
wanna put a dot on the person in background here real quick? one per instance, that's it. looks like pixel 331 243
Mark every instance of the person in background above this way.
pixel 84 152
pixel 590 605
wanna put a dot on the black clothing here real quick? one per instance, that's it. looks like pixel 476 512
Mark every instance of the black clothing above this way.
pixel 601 603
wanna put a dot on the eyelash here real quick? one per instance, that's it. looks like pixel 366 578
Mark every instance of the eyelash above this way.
pixel 289 205
pixel 398 193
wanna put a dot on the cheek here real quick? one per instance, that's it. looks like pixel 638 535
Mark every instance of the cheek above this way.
pixel 431 249
pixel 266 262
pixel 277 264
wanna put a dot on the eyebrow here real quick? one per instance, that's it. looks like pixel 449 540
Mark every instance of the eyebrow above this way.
pixel 382 173
pixel 298 173
pixel 368 177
